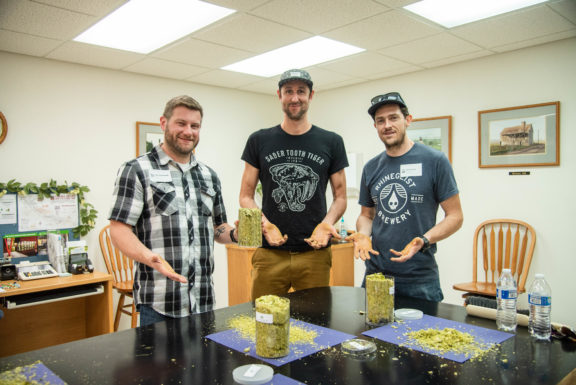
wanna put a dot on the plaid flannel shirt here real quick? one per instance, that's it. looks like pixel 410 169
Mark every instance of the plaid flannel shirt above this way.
pixel 173 210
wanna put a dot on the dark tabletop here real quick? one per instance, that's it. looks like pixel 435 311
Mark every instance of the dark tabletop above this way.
pixel 176 352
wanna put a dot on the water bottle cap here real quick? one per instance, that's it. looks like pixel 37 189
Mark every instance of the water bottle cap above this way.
pixel 506 270
pixel 539 275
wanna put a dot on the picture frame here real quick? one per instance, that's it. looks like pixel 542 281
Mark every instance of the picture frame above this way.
pixel 3 127
pixel 148 135
pixel 523 136
pixel 435 132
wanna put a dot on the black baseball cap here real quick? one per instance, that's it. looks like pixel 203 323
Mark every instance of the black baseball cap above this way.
pixel 295 74
pixel 389 98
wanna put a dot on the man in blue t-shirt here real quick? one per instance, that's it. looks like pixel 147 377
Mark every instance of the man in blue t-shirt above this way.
pixel 295 161
pixel 400 192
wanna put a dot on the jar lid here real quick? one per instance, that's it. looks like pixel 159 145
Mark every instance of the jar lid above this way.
pixel 358 347
pixel 408 314
pixel 253 374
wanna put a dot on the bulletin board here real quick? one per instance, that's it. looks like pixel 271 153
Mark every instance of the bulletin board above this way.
pixel 25 220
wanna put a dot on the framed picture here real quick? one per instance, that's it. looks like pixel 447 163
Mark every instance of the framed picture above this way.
pixel 148 135
pixel 523 136
pixel 434 132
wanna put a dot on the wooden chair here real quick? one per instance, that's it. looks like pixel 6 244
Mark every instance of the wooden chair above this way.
pixel 502 243
pixel 122 270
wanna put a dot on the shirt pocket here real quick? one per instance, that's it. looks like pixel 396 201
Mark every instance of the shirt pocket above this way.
pixel 164 196
pixel 207 196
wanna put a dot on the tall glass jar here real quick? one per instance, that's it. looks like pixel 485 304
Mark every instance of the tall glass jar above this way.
pixel 250 227
pixel 379 299
pixel 272 326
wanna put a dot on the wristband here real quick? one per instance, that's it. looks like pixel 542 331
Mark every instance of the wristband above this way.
pixel 426 245
pixel 232 236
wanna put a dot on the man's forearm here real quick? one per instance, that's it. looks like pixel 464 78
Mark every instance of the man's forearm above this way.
pixel 337 209
pixel 126 241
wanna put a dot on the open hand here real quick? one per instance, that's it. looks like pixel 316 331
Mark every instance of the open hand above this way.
pixel 273 235
pixel 362 246
pixel 160 264
pixel 321 235
pixel 408 252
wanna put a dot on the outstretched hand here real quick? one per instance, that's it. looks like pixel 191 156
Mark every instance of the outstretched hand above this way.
pixel 160 264
pixel 273 235
pixel 408 252
pixel 321 235
pixel 362 246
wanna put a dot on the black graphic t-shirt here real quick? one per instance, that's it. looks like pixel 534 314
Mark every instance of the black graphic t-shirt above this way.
pixel 294 172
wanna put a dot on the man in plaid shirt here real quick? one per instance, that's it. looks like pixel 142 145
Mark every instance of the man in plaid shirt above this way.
pixel 167 211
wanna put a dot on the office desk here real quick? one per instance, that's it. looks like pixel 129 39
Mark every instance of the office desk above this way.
pixel 176 352
pixel 45 324
pixel 240 267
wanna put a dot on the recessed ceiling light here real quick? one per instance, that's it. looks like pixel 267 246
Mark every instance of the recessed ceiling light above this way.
pixel 145 25
pixel 451 13
pixel 302 54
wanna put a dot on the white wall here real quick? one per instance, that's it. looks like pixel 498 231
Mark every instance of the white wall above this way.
pixel 77 123
pixel 545 198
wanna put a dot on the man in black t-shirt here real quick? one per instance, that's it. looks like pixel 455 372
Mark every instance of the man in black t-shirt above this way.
pixel 294 161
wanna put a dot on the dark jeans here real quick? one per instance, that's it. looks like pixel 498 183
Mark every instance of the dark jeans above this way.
pixel 430 290
pixel 149 316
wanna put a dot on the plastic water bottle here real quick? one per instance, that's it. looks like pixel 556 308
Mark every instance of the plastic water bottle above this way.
pixel 342 230
pixel 540 301
pixel 507 295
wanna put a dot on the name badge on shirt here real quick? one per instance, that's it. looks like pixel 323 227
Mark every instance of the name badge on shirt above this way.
pixel 160 176
pixel 407 170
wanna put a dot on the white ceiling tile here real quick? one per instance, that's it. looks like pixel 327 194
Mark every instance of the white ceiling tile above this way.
pixel 94 55
pixel 384 30
pixel 396 3
pixel 164 68
pixel 322 76
pixel 536 41
pixel 397 41
pixel 395 72
pixel 26 44
pixel 201 53
pixel 42 20
pixel 240 5
pixel 430 48
pixel 566 8
pixel 318 16
pixel 514 27
pixel 349 82
pixel 224 78
pixel 94 8
pixel 267 86
pixel 250 33
pixel 455 59
pixel 364 64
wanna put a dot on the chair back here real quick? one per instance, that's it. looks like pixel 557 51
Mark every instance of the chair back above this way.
pixel 500 244
pixel 118 265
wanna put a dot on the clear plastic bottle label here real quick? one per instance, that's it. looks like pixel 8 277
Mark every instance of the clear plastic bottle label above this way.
pixel 507 294
pixel 264 318
pixel 539 300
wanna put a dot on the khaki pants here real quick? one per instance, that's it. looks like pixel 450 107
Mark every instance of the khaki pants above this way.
pixel 275 271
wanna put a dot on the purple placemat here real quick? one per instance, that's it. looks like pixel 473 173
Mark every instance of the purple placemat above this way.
pixel 37 372
pixel 280 379
pixel 325 339
pixel 394 333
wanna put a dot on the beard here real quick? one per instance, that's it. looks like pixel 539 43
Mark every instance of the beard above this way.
pixel 394 143
pixel 298 115
pixel 171 141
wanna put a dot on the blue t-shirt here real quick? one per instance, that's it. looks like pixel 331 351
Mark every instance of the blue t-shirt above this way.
pixel 406 192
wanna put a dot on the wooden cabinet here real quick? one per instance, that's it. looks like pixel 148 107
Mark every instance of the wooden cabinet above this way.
pixel 59 319
pixel 240 267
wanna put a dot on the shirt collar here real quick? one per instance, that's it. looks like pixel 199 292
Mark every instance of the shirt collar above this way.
pixel 164 159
